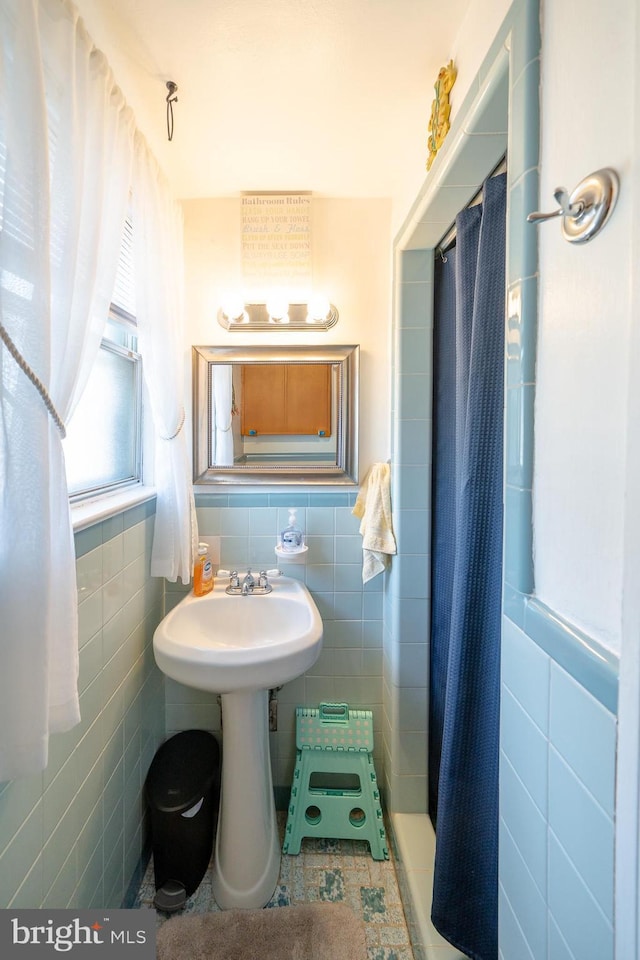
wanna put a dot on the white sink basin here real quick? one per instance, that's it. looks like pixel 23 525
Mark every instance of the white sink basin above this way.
pixel 226 643
pixel 241 647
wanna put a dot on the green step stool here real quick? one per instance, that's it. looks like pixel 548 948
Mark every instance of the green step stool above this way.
pixel 335 792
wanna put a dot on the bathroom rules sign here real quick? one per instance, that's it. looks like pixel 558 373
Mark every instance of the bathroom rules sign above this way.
pixel 276 242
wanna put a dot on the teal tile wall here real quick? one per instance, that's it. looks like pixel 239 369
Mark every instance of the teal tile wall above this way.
pixel 350 665
pixel 557 779
pixel 73 835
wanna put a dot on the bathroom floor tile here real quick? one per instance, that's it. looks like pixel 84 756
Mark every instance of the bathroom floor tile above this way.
pixel 337 870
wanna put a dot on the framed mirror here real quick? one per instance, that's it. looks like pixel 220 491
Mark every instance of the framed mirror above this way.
pixel 275 415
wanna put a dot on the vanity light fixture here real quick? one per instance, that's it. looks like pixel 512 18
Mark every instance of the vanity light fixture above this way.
pixel 274 314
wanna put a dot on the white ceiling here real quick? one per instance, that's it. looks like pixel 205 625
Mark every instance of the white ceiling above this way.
pixel 331 96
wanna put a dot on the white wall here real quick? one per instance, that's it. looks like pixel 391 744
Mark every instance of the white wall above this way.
pixel 351 264
pixel 478 28
pixel 585 320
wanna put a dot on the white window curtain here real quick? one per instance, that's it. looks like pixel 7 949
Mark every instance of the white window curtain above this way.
pixel 65 157
pixel 222 394
pixel 157 229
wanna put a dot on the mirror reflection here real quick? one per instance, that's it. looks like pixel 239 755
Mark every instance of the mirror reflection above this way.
pixel 263 412
pixel 277 415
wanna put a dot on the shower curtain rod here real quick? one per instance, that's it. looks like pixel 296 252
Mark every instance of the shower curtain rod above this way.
pixel 449 237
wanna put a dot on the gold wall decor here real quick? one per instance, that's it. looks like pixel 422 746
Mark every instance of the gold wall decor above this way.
pixel 440 110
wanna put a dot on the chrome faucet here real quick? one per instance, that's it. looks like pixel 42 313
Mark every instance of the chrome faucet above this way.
pixel 248 584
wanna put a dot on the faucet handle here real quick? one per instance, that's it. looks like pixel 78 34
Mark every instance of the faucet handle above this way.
pixel 234 579
pixel 263 580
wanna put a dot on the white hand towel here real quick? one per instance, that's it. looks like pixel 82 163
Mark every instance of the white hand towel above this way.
pixel 373 506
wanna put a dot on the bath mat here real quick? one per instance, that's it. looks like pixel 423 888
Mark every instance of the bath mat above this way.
pixel 311 931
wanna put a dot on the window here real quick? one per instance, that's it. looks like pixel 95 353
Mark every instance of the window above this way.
pixel 103 446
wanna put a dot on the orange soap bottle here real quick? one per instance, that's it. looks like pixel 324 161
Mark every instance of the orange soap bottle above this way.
pixel 202 572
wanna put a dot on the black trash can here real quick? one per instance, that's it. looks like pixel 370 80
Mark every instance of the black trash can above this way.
pixel 183 792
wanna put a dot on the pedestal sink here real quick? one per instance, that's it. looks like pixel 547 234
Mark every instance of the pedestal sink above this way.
pixel 241 647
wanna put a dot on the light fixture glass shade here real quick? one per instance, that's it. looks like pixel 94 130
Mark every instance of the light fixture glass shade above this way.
pixel 277 308
pixel 233 308
pixel 319 309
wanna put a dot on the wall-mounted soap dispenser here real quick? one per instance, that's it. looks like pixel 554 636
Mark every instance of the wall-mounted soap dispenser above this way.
pixel 291 543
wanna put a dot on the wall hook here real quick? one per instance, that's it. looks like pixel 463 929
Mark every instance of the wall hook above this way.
pixel 584 212
pixel 171 98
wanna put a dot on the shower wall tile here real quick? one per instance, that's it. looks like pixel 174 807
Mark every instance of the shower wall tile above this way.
pixel 409 793
pixel 413 572
pixel 512 939
pixel 412 709
pixel 415 350
pixel 525 747
pixel 578 917
pixel 413 530
pixel 415 399
pixel 416 297
pixel 73 835
pixel 525 671
pixel 518 543
pixel 523 151
pixel 411 759
pixel 412 488
pixel 525 898
pixel 556 803
pixel 584 733
pixel 525 37
pixel 525 823
pixel 522 311
pixel 519 435
pixel 558 949
pixel 414 441
pixel 412 625
pixel 573 816
pixel 523 199
pixel 416 266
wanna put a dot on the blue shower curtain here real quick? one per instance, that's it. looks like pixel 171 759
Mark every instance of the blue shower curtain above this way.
pixel 467 575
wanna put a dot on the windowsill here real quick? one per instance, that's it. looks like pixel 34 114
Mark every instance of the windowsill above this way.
pixel 87 512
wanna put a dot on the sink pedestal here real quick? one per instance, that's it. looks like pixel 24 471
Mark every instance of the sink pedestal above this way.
pixel 247 859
